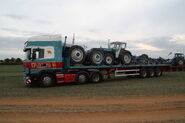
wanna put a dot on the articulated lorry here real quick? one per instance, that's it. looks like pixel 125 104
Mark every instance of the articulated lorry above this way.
pixel 49 60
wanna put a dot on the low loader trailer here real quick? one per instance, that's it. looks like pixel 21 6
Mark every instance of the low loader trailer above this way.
pixel 48 62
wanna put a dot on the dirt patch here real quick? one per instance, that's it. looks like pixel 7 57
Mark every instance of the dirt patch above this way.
pixel 99 110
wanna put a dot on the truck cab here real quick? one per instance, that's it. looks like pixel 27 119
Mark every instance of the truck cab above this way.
pixel 43 56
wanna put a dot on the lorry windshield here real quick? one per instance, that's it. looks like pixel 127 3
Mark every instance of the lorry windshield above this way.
pixel 31 53
pixel 38 53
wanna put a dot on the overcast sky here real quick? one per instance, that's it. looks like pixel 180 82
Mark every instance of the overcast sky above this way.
pixel 155 27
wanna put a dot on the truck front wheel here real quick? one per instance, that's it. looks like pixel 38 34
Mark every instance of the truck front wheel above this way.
pixel 47 80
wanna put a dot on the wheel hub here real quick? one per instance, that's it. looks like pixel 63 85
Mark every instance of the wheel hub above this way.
pixel 47 80
pixel 82 78
pixel 127 59
pixel 96 78
pixel 97 58
pixel 108 60
pixel 77 55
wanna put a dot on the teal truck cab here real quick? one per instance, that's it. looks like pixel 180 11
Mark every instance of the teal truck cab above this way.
pixel 43 58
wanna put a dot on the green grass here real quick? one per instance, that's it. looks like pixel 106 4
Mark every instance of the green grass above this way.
pixel 11 85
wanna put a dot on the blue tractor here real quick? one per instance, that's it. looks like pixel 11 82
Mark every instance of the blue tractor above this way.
pixel 113 55
pixel 178 60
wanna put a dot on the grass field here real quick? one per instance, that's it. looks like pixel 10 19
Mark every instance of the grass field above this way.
pixel 11 85
pixel 130 100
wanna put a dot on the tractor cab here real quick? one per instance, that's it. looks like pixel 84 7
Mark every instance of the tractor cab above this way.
pixel 178 60
pixel 117 44
pixel 117 47
pixel 179 55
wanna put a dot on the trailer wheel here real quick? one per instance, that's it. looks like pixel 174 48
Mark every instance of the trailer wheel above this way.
pixel 96 56
pixel 47 80
pixel 150 72
pixel 158 72
pixel 143 73
pixel 82 77
pixel 96 77
pixel 109 59
pixel 126 57
pixel 77 54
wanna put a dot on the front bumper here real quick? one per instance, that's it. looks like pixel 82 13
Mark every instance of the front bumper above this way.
pixel 27 80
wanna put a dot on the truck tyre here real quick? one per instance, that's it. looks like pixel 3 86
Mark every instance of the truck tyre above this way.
pixel 47 80
pixel 126 57
pixel 77 54
pixel 109 59
pixel 150 72
pixel 96 77
pixel 143 73
pixel 96 56
pixel 82 77
pixel 158 72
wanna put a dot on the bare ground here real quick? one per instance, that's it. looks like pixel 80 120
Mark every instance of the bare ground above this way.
pixel 93 110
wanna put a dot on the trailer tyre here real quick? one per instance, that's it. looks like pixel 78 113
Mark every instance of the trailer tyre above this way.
pixel 77 54
pixel 96 56
pixel 82 77
pixel 96 77
pixel 47 80
pixel 158 72
pixel 143 73
pixel 150 72
pixel 109 59
pixel 126 57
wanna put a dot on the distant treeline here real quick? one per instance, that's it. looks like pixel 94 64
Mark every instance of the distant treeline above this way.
pixel 11 61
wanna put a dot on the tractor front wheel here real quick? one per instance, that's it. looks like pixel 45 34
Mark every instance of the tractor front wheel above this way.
pixel 109 59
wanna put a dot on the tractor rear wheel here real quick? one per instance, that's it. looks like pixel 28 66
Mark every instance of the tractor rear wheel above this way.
pixel 96 56
pixel 126 57
pixel 77 54
pixel 180 62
